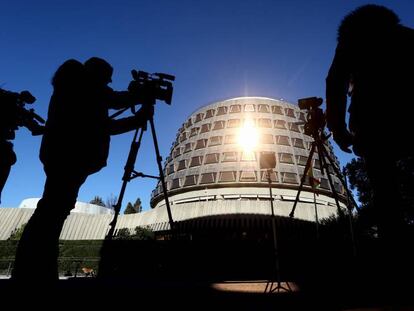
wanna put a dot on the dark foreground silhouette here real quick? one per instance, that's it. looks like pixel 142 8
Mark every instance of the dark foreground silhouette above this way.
pixel 14 115
pixel 231 274
pixel 75 145
pixel 373 64
pixel 211 271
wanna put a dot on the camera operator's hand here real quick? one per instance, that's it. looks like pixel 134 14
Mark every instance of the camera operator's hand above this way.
pixel 343 138
pixel 27 97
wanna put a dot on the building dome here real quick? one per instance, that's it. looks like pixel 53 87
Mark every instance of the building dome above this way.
pixel 208 163
pixel 215 185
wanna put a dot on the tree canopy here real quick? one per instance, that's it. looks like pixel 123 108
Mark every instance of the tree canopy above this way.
pixel 133 208
pixel 140 233
pixel 97 200
pixel 358 179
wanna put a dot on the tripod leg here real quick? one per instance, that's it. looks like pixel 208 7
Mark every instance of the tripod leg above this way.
pixel 302 181
pixel 275 246
pixel 162 178
pixel 316 215
pixel 128 169
pixel 349 198
pixel 320 155
pixel 324 165
pixel 269 286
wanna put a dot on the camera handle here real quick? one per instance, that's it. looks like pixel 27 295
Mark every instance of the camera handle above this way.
pixel 130 173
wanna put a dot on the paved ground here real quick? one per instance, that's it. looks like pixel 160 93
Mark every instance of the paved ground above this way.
pixel 181 295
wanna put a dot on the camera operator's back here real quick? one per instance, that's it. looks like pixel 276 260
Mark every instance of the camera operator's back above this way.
pixel 77 130
pixel 65 106
pixel 375 55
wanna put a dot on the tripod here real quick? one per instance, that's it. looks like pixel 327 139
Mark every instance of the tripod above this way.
pixel 130 173
pixel 318 146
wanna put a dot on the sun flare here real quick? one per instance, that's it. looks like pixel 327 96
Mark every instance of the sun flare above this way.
pixel 248 136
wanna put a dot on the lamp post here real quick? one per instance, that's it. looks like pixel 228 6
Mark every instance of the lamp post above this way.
pixel 268 162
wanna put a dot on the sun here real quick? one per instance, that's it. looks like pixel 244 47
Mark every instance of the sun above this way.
pixel 248 136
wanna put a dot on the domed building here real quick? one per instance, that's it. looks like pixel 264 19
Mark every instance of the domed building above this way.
pixel 215 185
pixel 213 172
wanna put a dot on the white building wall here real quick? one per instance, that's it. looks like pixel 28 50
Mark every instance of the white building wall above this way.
pixel 94 227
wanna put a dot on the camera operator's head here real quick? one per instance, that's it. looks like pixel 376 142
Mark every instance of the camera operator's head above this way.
pixel 99 70
pixel 67 74
pixel 366 22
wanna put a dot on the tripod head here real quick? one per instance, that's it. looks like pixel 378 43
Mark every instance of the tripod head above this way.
pixel 315 121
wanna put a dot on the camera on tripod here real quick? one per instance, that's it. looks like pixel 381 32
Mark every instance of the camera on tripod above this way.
pixel 145 89
pixel 23 117
pixel 149 87
pixel 27 117
pixel 310 102
pixel 315 121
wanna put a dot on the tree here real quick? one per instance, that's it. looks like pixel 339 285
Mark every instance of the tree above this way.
pixel 143 233
pixel 138 205
pixel 17 233
pixel 135 208
pixel 358 179
pixel 129 209
pixel 140 233
pixel 97 200
pixel 111 201
pixel 123 234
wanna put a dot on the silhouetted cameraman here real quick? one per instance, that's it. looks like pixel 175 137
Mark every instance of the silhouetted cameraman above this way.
pixel 374 64
pixel 13 115
pixel 74 146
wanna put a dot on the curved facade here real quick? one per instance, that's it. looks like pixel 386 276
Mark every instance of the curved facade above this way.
pixel 208 164
pixel 215 184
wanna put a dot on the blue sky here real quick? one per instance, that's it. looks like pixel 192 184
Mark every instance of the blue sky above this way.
pixel 217 49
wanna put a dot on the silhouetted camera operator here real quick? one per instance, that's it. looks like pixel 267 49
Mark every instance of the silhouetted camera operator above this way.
pixel 14 115
pixel 74 146
pixel 374 64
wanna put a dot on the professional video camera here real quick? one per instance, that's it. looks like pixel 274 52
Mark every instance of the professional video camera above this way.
pixel 150 87
pixel 310 102
pixel 17 115
pixel 315 121
pixel 27 117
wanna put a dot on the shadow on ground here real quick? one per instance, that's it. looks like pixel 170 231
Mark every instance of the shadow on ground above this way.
pixel 212 274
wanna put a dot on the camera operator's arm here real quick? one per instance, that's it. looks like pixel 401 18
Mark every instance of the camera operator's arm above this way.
pixel 140 119
pixel 35 128
pixel 119 99
pixel 337 84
